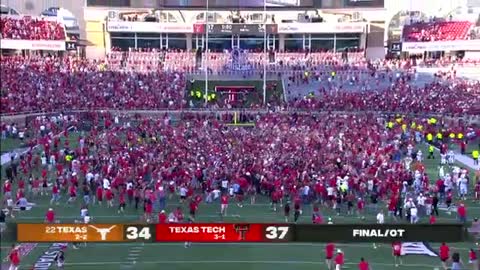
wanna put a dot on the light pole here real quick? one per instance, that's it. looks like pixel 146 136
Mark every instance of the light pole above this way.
pixel 206 55
pixel 265 52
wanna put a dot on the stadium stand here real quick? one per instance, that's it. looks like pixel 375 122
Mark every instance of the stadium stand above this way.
pixel 437 31
pixel 30 28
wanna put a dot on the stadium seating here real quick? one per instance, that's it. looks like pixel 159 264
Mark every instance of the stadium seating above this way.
pixel 31 28
pixel 437 31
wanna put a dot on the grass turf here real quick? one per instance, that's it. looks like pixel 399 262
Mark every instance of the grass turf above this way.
pixel 219 256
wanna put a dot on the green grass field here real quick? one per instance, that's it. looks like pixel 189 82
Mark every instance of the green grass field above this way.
pixel 255 98
pixel 251 256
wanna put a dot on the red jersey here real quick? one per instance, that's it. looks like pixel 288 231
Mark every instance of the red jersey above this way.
pixel 472 255
pixel 109 194
pixel 433 219
pixel 179 215
pixel 363 266
pixel 397 248
pixel 50 216
pixel 73 191
pixel 99 193
pixel 329 249
pixel 360 204
pixel 7 187
pixel 224 199
pixel 339 259
pixel 121 197
pixel 21 183
pixel 14 257
pixel 162 218
pixel 55 189
pixel 148 208
pixel 444 252
pixel 193 206
pixel 462 211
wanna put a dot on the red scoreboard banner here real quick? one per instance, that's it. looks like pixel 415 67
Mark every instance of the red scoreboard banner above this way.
pixel 213 232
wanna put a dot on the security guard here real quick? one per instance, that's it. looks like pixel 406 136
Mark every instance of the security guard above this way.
pixel 429 137
pixel 430 152
pixel 439 136
pixel 475 154
pixel 390 125
pixel 460 136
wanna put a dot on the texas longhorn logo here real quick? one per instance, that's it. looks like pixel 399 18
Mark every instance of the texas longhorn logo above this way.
pixel 103 231
pixel 242 230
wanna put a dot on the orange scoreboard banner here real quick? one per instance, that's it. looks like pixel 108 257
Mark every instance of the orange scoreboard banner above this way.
pixel 82 232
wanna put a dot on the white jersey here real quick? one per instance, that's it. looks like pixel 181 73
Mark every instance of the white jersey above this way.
pixel 225 184
pixel 86 219
pixel 84 212
pixel 380 218
pixel 413 211
pixel 106 183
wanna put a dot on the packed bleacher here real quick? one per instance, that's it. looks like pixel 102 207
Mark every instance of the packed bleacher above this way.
pixel 30 28
pixel 50 84
pixel 437 31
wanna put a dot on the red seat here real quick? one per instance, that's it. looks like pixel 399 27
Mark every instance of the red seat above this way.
pixel 436 31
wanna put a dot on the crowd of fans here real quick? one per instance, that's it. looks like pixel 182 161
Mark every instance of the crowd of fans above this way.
pixel 31 28
pixel 437 31
pixel 48 84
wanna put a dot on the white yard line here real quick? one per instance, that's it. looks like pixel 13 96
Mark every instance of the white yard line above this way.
pixel 239 262
pixel 253 245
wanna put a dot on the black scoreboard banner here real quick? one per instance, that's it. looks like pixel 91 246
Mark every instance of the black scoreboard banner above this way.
pixel 235 29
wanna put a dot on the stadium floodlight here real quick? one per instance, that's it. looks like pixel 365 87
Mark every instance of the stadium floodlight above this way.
pixel 265 52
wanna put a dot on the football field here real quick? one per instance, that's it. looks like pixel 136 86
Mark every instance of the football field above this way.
pixel 252 256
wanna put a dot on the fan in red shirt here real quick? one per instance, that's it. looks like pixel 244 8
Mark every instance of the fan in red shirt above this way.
pixel 55 194
pixel 50 216
pixel 148 210
pixel 363 265
pixel 444 254
pixel 224 205
pixel 7 189
pixel 179 214
pixel 72 190
pixel 433 219
pixel 162 217
pixel 329 250
pixel 193 208
pixel 472 258
pixel 99 194
pixel 397 253
pixel 14 258
pixel 462 213
pixel 275 199
pixel 121 201
pixel 339 260
pixel 109 197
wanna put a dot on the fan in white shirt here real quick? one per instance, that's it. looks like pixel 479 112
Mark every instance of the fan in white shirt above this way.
pixel 380 218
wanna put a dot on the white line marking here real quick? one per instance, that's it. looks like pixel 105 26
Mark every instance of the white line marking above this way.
pixel 123 245
pixel 241 262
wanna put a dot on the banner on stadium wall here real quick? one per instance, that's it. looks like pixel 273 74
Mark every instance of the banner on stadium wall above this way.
pixel 321 28
pixel 148 27
pixel 44 45
pixel 436 46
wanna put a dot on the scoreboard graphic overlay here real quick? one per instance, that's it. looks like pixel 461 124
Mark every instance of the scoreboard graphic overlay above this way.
pixel 238 232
